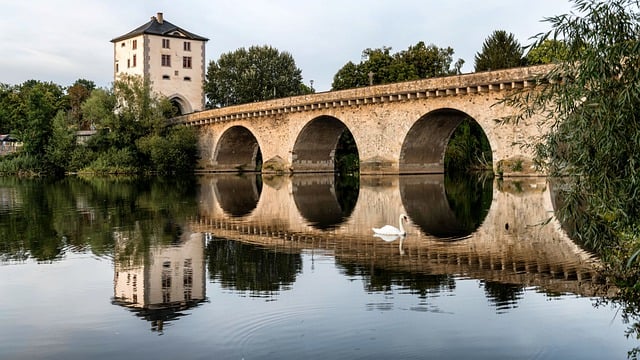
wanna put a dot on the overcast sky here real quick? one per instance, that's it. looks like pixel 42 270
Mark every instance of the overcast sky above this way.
pixel 64 40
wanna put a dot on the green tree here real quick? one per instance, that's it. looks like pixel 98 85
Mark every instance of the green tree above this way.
pixel 430 61
pixel 6 105
pixel 254 74
pixel 35 105
pixel 77 94
pixel 132 133
pixel 500 50
pixel 348 77
pixel 378 63
pixel 547 52
pixel 62 143
pixel 174 152
pixel 380 66
pixel 99 108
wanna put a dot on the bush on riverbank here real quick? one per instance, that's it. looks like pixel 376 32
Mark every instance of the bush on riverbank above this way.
pixel 131 136
pixel 21 165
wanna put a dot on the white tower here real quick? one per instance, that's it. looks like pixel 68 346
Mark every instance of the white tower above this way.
pixel 171 58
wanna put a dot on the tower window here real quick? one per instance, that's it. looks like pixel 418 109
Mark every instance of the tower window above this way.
pixel 134 45
pixel 187 78
pixel 166 77
pixel 166 60
pixel 187 46
pixel 186 62
pixel 134 60
pixel 165 43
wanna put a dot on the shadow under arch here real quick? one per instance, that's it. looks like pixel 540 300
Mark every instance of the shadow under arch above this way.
pixel 424 147
pixel 237 150
pixel 316 144
pixel 238 195
pixel 443 207
pixel 325 201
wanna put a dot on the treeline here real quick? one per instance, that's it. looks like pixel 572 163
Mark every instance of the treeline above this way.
pixel 128 123
pixel 262 72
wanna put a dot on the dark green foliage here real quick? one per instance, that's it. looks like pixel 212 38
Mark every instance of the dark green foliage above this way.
pixel 347 160
pixel 130 120
pixel 501 50
pixel 591 109
pixel 379 66
pixel 61 145
pixel 470 197
pixel 250 268
pixel 548 51
pixel 132 136
pixel 21 164
pixel 468 149
pixel 171 153
pixel 34 105
pixel 77 94
pixel 259 73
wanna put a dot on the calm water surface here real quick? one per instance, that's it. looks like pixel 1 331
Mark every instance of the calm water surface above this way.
pixel 230 267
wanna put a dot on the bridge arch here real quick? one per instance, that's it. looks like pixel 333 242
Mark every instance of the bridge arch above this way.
pixel 238 150
pixel 424 147
pixel 315 147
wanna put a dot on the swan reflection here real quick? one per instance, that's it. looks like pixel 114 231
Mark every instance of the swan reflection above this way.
pixel 392 238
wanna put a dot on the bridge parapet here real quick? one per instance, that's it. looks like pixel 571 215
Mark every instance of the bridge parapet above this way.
pixel 497 80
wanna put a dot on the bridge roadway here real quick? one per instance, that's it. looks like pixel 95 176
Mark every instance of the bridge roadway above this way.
pixel 398 128
pixel 522 252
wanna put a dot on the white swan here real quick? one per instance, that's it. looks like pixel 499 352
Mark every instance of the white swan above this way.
pixel 392 230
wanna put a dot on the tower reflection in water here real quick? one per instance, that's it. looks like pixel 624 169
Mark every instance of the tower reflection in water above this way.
pixel 158 282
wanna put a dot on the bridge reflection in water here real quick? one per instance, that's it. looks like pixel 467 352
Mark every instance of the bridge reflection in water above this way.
pixel 502 237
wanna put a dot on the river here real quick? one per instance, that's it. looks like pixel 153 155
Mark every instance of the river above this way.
pixel 252 267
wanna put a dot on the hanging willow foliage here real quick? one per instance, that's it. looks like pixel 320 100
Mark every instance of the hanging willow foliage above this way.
pixel 590 105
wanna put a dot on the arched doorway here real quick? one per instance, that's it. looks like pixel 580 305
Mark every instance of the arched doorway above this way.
pixel 180 104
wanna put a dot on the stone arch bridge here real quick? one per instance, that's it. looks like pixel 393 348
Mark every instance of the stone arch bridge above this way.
pixel 398 128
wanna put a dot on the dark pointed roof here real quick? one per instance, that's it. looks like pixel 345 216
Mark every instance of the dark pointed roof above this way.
pixel 161 28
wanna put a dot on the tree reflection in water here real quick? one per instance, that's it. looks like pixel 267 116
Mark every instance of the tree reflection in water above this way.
pixel 449 207
pixel 380 280
pixel 503 296
pixel 50 217
pixel 250 268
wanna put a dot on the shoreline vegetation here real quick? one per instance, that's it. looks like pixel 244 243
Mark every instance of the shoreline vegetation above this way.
pixel 129 121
